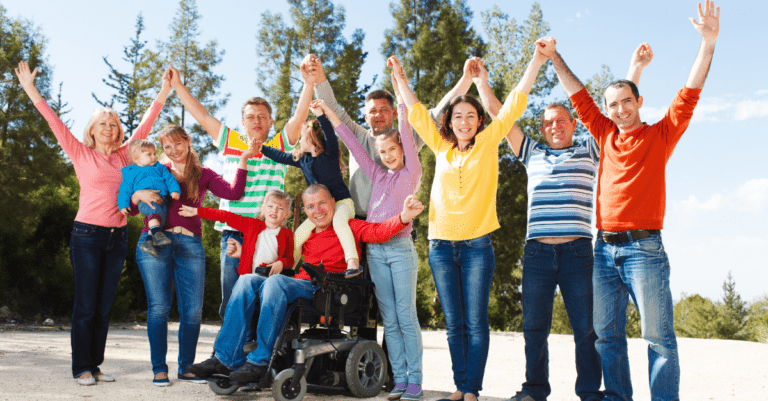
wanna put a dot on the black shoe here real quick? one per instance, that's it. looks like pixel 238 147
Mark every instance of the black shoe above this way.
pixel 209 368
pixel 248 373
pixel 349 273
pixel 149 247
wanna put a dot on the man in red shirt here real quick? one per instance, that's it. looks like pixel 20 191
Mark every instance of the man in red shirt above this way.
pixel 273 294
pixel 631 197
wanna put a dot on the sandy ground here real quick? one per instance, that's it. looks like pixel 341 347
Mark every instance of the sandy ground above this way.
pixel 35 365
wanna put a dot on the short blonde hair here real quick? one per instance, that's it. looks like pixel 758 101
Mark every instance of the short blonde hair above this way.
pixel 88 138
pixel 136 146
pixel 280 197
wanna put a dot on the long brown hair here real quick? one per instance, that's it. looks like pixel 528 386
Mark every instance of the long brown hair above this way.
pixel 193 170
pixel 445 118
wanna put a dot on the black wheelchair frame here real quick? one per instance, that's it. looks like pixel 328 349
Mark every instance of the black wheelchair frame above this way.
pixel 325 354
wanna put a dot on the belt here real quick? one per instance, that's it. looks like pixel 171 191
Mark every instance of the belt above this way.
pixel 624 236
pixel 181 230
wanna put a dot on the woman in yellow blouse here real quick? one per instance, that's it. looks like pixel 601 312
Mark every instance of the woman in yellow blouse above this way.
pixel 462 213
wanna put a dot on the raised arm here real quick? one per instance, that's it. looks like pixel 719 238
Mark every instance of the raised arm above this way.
pixel 293 126
pixel 570 83
pixel 324 91
pixel 709 27
pixel 409 98
pixel 462 86
pixel 355 148
pixel 27 81
pixel 640 59
pixel 148 120
pixel 210 124
pixel 410 145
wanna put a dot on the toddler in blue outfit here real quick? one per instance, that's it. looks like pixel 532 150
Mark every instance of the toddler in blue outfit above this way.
pixel 147 173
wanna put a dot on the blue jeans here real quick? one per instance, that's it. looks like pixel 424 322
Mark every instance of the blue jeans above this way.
pixel 179 265
pixel 568 266
pixel 229 267
pixel 463 271
pixel 639 269
pixel 97 255
pixel 161 210
pixel 270 297
pixel 394 266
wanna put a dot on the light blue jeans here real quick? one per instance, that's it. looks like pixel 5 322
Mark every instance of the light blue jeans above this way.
pixel 394 267
pixel 639 269
pixel 179 265
pixel 463 271
pixel 269 296
pixel 229 267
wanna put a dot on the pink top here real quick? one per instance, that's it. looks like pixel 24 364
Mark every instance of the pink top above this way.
pixel 99 176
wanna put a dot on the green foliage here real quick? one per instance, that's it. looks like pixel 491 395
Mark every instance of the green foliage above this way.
pixel 695 317
pixel 134 88
pixel 757 324
pixel 633 321
pixel 195 63
pixel 560 322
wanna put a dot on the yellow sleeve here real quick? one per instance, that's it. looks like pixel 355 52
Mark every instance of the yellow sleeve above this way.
pixel 513 109
pixel 422 123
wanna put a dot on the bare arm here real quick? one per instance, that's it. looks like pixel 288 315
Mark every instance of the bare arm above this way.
pixel 640 59
pixel 293 126
pixel 462 86
pixel 570 83
pixel 408 97
pixel 209 123
pixel 490 102
pixel 709 27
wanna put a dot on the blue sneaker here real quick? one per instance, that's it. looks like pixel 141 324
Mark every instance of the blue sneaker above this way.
pixel 413 392
pixel 397 391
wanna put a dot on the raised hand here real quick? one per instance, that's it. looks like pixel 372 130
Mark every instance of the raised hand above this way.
pixel 708 24
pixel 175 78
pixel 306 75
pixel 642 56
pixel 167 75
pixel 395 87
pixel 547 46
pixel 470 68
pixel 314 68
pixel 26 78
pixel 539 57
pixel 397 69
pixel 411 208
pixel 318 107
pixel 187 211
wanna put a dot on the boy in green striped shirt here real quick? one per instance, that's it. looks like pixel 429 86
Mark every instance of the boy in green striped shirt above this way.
pixel 263 174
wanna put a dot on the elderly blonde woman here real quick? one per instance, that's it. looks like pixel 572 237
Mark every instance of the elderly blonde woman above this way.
pixel 99 239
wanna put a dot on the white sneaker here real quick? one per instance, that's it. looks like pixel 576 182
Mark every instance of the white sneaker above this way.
pixel 101 377
pixel 86 381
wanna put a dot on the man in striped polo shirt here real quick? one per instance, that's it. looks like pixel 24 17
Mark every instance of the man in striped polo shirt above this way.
pixel 558 248
pixel 263 174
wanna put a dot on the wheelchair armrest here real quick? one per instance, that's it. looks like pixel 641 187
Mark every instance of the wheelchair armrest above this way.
pixel 264 271
pixel 315 272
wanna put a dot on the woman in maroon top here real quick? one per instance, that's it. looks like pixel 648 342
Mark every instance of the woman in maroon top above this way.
pixel 182 261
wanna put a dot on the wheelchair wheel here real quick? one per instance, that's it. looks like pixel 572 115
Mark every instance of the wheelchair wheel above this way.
pixel 281 390
pixel 222 387
pixel 366 369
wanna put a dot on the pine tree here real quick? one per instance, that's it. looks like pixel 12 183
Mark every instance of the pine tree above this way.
pixel 135 89
pixel 195 63
pixel 432 39
pixel 732 313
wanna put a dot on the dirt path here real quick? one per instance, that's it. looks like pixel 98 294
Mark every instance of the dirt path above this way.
pixel 35 365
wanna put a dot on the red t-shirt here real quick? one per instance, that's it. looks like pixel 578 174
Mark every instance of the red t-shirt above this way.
pixel 631 189
pixel 325 246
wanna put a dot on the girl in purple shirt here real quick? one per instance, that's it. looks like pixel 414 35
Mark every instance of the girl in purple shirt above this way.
pixel 394 264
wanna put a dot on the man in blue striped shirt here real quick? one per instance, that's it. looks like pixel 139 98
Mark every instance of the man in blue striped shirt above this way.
pixel 558 249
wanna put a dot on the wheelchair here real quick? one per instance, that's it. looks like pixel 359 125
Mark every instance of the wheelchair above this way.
pixel 324 354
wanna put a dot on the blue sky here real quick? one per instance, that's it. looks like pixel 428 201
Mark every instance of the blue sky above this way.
pixel 717 187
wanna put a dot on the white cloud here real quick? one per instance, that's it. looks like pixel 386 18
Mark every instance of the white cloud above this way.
pixel 762 92
pixel 651 114
pixel 752 195
pixel 751 108
pixel 578 15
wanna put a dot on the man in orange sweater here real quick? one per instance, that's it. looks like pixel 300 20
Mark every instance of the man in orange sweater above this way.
pixel 629 255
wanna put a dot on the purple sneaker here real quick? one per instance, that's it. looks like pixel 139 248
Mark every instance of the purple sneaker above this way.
pixel 413 393
pixel 397 391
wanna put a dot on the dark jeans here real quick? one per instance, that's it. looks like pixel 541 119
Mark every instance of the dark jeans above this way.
pixel 97 255
pixel 229 265
pixel 568 266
